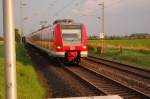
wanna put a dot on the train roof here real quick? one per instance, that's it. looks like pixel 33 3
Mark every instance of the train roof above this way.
pixel 70 23
pixel 63 21
pixel 34 32
pixel 59 21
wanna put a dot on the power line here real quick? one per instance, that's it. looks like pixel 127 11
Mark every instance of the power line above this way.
pixel 67 5
pixel 114 3
pixel 75 5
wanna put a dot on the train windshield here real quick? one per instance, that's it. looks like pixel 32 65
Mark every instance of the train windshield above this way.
pixel 71 35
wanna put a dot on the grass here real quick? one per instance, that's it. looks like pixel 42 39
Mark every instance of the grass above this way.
pixel 138 43
pixel 134 51
pixel 28 86
pixel 1 72
pixel 136 58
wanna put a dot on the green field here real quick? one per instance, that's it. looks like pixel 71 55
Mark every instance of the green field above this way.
pixel 28 86
pixel 128 54
pixel 138 43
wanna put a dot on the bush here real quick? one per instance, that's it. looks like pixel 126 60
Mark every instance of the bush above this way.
pixel 1 38
pixel 17 36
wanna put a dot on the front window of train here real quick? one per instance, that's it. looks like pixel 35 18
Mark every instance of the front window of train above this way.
pixel 71 35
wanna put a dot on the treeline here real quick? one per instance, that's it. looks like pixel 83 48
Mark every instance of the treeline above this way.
pixel 132 36
pixel 1 38
pixel 17 36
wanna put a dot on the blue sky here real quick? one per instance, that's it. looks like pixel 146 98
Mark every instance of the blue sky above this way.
pixel 123 17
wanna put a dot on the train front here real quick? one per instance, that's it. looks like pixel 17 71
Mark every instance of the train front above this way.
pixel 74 42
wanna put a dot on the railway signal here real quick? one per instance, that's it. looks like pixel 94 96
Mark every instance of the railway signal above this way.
pixel 9 49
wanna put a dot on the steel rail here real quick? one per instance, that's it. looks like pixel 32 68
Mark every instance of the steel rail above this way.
pixel 99 90
pixel 121 66
pixel 131 88
pixel 124 91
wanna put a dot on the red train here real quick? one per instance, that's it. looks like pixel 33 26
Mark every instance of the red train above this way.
pixel 65 40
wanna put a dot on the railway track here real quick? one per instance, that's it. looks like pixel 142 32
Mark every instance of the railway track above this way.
pixel 125 76
pixel 58 82
pixel 104 84
pixel 100 83
pixel 123 67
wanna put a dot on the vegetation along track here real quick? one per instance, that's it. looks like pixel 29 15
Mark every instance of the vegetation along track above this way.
pixel 135 78
pixel 103 83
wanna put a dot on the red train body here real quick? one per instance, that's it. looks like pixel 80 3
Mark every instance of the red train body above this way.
pixel 65 40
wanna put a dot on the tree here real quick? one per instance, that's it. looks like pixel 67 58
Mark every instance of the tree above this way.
pixel 17 36
pixel 1 38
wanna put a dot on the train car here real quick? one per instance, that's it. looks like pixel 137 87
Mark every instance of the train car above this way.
pixel 66 40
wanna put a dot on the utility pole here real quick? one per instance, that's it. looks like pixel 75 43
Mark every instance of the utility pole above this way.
pixel 21 19
pixel 102 35
pixel 103 19
pixel 9 50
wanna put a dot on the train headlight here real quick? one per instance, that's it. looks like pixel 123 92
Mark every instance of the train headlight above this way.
pixel 84 46
pixel 58 47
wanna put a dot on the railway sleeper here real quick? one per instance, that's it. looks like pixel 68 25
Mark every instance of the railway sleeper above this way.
pixel 114 89
pixel 115 92
pixel 129 96
pixel 126 94
pixel 110 86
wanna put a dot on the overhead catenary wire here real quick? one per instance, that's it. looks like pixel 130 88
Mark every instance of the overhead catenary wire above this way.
pixel 77 4
pixel 60 10
pixel 64 7
pixel 112 4
pixel 57 13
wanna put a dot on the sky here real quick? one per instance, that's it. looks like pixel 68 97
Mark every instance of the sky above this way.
pixel 122 17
